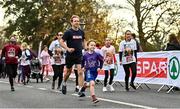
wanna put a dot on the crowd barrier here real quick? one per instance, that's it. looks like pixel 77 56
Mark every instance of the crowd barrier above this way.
pixel 161 68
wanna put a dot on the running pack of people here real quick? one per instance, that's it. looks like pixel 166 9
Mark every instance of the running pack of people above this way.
pixel 71 51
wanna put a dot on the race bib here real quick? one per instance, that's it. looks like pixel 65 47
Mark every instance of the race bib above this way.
pixel 129 58
pixel 57 60
pixel 11 53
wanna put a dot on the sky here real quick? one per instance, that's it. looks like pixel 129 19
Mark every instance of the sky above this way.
pixel 121 13
pixel 1 17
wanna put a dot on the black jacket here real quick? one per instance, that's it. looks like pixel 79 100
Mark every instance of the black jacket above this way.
pixel 172 46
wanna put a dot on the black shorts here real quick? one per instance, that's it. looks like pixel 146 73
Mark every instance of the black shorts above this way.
pixel 71 60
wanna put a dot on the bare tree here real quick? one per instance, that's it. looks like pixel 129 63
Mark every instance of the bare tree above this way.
pixel 151 16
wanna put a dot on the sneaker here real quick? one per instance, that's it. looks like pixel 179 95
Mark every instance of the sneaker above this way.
pixel 53 85
pixel 132 85
pixel 27 81
pixel 76 89
pixel 81 94
pixel 127 89
pixel 24 83
pixel 94 99
pixel 83 89
pixel 64 90
pixel 104 89
pixel 12 88
pixel 58 88
pixel 47 79
pixel 111 88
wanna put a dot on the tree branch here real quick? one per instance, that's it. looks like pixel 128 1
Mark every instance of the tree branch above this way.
pixel 131 2
pixel 156 25
pixel 148 10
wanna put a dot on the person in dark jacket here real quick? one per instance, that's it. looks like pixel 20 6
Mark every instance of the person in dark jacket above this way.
pixel 173 44
pixel 139 48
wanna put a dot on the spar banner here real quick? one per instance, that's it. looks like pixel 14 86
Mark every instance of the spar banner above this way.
pixel 153 68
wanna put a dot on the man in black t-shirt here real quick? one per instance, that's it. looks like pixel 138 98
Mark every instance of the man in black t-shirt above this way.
pixel 75 42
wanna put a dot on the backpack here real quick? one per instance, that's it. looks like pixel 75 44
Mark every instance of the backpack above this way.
pixel 31 55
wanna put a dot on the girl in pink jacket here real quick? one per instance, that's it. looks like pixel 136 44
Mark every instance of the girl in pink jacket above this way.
pixel 45 61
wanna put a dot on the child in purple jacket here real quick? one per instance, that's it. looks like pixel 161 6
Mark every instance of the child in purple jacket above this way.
pixel 92 62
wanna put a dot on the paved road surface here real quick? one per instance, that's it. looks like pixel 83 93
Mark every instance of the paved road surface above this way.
pixel 40 95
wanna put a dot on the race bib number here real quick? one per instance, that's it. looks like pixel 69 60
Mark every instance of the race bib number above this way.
pixel 57 60
pixel 11 53
pixel 129 58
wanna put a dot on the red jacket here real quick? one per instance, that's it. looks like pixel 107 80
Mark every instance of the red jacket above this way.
pixel 11 52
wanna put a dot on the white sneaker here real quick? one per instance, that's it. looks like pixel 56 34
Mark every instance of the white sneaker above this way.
pixel 104 89
pixel 47 79
pixel 111 88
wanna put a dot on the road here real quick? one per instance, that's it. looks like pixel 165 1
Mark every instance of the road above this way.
pixel 40 95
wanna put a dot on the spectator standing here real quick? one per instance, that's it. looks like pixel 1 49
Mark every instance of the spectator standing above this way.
pixel 173 44
pixel 139 48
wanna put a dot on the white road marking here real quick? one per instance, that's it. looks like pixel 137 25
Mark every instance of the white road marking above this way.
pixel 57 91
pixel 29 86
pixel 120 102
pixel 4 82
pixel 42 88
pixel 102 99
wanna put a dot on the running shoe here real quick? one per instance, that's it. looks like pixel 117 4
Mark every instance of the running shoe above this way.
pixel 132 85
pixel 12 88
pixel 81 94
pixel 64 89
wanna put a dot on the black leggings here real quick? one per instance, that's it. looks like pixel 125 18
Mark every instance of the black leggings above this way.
pixel 127 68
pixel 11 70
pixel 107 76
pixel 1 70
pixel 58 72
pixel 76 75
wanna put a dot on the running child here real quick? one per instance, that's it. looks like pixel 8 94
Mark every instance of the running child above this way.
pixel 92 62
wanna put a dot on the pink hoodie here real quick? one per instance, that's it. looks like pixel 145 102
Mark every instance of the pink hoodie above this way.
pixel 45 58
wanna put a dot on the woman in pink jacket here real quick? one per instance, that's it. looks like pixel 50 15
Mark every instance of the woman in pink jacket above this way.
pixel 45 61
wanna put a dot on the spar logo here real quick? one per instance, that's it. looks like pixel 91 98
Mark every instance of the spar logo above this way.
pixel 152 67
pixel 174 68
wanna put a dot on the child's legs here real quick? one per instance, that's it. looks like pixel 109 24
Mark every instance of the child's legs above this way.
pixel 23 73
pixel 43 68
pixel 106 77
pixel 92 84
pixel 47 70
pixel 111 76
pixel 93 76
pixel 61 70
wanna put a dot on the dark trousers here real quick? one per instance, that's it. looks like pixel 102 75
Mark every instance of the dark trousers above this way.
pixel 26 71
pixel 11 71
pixel 107 76
pixel 127 68
pixel 58 72
pixel 1 70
